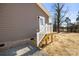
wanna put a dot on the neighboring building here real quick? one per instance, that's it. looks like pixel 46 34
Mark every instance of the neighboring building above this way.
pixel 19 22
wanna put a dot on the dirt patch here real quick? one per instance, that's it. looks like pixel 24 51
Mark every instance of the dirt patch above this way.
pixel 64 44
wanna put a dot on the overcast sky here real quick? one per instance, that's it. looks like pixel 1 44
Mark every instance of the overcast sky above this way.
pixel 73 9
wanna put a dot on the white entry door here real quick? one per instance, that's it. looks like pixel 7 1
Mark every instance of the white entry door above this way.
pixel 41 22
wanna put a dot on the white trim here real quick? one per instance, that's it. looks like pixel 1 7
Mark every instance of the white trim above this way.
pixel 43 8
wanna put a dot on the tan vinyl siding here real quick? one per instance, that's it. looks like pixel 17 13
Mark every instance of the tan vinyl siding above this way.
pixel 19 21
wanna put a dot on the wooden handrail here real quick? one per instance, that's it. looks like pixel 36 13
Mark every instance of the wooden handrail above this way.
pixel 46 29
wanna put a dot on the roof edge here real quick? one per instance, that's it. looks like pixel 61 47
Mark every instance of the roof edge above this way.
pixel 43 8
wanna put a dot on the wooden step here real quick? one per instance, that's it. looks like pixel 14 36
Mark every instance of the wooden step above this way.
pixel 48 38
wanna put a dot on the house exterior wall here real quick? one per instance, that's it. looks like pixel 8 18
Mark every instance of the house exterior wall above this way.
pixel 19 21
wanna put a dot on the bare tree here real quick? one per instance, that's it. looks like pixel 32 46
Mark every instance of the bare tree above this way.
pixel 77 22
pixel 59 16
pixel 55 23
pixel 77 19
pixel 68 21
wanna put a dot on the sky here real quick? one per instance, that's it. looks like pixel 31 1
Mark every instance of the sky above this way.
pixel 73 9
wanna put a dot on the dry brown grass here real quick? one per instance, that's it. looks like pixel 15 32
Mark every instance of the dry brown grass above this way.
pixel 64 44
